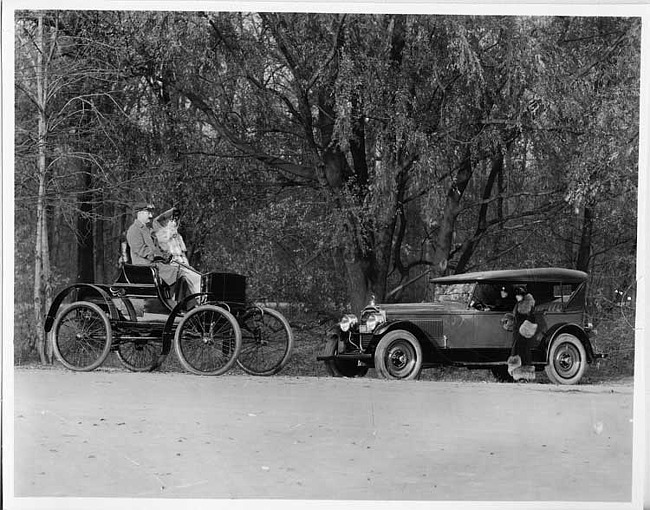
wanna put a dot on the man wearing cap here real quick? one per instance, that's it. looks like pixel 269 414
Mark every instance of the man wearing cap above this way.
pixel 144 250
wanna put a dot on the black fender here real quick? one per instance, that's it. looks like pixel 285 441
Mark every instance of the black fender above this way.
pixel 169 330
pixel 571 328
pixel 101 291
pixel 429 348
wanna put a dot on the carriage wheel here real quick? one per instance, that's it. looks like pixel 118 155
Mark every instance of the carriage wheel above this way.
pixel 139 355
pixel 208 340
pixel 267 341
pixel 82 336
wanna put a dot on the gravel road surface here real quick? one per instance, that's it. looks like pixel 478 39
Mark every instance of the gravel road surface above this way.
pixel 110 433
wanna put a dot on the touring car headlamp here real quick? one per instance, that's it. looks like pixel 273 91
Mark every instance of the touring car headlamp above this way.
pixel 373 320
pixel 347 321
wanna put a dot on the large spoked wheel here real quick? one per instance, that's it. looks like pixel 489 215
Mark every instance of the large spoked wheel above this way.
pixel 341 367
pixel 140 354
pixel 208 340
pixel 398 356
pixel 567 360
pixel 82 336
pixel 267 341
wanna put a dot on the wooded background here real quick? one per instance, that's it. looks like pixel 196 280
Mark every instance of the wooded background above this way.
pixel 326 157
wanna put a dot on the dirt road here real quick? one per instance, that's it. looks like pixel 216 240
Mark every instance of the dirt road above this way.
pixel 162 435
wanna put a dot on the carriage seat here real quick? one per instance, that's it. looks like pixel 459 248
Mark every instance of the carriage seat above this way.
pixel 141 278
pixel 144 282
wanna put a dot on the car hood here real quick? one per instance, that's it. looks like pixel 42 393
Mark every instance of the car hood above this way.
pixel 399 309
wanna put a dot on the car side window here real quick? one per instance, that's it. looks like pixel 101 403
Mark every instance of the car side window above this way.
pixel 492 296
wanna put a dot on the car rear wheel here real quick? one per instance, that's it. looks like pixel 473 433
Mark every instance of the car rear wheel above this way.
pixel 398 356
pixel 341 367
pixel 567 360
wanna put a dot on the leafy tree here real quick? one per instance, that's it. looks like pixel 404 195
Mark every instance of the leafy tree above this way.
pixel 384 115
pixel 329 156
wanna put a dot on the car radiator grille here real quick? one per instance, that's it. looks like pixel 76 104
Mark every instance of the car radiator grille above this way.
pixel 365 341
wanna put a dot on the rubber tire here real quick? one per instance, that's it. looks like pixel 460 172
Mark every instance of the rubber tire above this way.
pixel 101 317
pixel 190 320
pixel 246 362
pixel 147 364
pixel 567 350
pixel 398 343
pixel 341 368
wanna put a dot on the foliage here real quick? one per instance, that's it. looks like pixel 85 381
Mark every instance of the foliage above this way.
pixel 333 156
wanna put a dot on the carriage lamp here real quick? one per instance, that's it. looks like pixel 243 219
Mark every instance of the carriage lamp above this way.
pixel 347 321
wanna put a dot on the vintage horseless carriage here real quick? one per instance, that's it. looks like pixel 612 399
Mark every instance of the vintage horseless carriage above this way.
pixel 139 318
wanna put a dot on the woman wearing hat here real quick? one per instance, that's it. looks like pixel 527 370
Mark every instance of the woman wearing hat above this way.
pixel 520 364
pixel 165 230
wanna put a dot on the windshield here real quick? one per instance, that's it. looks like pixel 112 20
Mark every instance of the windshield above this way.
pixel 455 293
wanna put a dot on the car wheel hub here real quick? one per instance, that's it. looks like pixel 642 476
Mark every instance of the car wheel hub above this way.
pixel 400 358
pixel 567 361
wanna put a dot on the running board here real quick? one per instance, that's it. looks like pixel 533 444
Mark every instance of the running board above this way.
pixel 357 357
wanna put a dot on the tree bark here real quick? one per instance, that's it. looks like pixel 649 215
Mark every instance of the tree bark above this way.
pixel 42 276
pixel 584 249
pixel 445 238
pixel 99 240
pixel 85 234
pixel 482 223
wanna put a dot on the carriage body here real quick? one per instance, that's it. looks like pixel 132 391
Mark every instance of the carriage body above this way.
pixel 139 318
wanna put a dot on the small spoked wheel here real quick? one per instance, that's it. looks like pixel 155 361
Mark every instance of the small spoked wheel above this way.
pixel 267 341
pixel 567 360
pixel 82 336
pixel 398 356
pixel 139 354
pixel 208 340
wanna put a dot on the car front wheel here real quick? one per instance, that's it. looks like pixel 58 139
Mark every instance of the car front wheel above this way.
pixel 567 360
pixel 398 356
pixel 341 367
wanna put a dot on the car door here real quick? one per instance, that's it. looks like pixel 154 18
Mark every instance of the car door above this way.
pixel 489 331
pixel 488 309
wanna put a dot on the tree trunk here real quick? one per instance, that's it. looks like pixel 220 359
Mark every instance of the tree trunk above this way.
pixel 482 224
pixel 358 285
pixel 47 284
pixel 584 250
pixel 99 242
pixel 42 277
pixel 39 266
pixel 445 238
pixel 85 235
